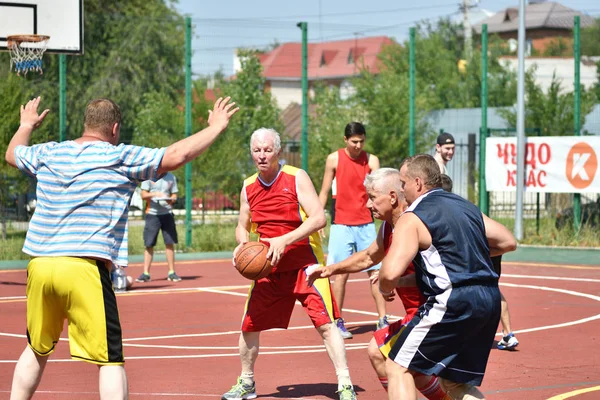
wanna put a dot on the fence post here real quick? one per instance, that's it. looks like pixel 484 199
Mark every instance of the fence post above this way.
pixel 483 131
pixel 62 105
pixel 471 166
pixel 576 111
pixel 188 129
pixel 411 96
pixel 304 27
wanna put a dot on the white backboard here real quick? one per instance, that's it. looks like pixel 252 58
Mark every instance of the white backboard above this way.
pixel 62 20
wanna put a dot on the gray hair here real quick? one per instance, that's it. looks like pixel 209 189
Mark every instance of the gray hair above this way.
pixel 384 180
pixel 260 134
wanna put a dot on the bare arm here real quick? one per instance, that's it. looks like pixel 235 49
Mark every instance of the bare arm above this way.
pixel 309 201
pixel 500 239
pixel 357 262
pixel 185 150
pixel 242 230
pixel 30 120
pixel 373 162
pixel 328 175
pixel 405 246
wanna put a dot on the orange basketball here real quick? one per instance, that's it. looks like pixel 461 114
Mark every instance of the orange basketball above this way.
pixel 251 261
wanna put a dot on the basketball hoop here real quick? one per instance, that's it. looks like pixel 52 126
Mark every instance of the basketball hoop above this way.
pixel 26 52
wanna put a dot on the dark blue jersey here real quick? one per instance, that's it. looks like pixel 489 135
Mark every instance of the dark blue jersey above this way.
pixel 459 254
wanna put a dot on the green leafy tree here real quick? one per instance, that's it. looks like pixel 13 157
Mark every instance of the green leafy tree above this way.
pixel 227 162
pixel 552 111
pixel 590 45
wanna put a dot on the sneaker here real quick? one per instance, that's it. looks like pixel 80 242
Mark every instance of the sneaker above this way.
pixel 241 391
pixel 173 277
pixel 382 323
pixel 143 278
pixel 347 393
pixel 508 342
pixel 343 330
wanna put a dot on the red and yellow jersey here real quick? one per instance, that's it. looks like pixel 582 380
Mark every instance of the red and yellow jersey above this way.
pixel 275 211
pixel 349 193
pixel 411 297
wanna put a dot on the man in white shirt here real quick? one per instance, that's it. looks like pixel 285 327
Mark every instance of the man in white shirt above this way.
pixel 444 150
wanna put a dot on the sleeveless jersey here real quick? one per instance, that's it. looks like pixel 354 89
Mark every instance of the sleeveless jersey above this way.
pixel 459 254
pixel 275 211
pixel 411 297
pixel 349 206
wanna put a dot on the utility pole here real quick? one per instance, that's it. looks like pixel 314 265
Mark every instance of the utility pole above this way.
pixel 467 28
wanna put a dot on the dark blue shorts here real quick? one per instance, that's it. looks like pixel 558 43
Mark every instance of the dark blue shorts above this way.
pixel 452 334
pixel 156 223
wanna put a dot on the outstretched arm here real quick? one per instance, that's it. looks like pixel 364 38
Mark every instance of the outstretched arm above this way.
pixel 357 262
pixel 185 150
pixel 30 120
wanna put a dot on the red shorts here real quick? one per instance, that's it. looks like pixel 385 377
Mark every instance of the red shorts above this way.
pixel 386 337
pixel 271 301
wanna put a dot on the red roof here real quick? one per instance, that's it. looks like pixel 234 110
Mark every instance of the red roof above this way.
pixel 325 60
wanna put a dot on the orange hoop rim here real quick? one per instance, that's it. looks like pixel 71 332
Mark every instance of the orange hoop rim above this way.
pixel 18 39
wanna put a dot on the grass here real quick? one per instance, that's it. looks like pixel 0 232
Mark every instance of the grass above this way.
pixel 219 235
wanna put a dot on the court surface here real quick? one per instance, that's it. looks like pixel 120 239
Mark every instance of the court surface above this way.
pixel 181 338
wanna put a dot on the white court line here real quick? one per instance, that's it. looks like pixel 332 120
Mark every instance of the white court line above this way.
pixel 554 278
pixel 186 356
pixel 155 394
pixel 158 346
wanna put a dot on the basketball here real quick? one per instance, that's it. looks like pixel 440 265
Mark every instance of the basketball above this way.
pixel 251 261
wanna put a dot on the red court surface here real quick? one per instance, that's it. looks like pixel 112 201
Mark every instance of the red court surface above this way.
pixel 181 339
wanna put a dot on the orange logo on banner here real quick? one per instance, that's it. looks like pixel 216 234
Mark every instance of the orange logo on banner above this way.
pixel 582 164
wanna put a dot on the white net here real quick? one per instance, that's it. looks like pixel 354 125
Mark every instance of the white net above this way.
pixel 26 52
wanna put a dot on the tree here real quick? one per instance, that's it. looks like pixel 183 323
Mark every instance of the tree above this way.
pixel 590 45
pixel 228 161
pixel 444 79
pixel 551 112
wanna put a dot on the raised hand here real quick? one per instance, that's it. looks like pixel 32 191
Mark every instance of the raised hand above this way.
pixel 29 114
pixel 221 113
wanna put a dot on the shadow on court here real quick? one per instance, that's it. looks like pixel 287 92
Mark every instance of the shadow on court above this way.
pixel 13 283
pixel 308 390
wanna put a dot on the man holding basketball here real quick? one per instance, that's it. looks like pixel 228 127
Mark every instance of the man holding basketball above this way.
pixel 79 229
pixel 280 204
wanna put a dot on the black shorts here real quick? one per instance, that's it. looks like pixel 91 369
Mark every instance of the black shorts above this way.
pixel 497 263
pixel 156 223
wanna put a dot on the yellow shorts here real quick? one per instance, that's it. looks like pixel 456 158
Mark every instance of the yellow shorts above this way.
pixel 79 290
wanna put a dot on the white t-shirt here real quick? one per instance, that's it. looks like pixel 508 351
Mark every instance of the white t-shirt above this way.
pixel 167 185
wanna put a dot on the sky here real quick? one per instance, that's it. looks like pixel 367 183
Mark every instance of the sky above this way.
pixel 220 28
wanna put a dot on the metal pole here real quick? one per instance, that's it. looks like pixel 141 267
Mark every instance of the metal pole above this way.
pixel 62 105
pixel 304 27
pixel 411 97
pixel 483 132
pixel 188 129
pixel 576 116
pixel 520 125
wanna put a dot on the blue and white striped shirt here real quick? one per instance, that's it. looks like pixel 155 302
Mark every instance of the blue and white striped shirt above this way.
pixel 83 194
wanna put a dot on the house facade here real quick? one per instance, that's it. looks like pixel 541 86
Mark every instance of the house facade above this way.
pixel 547 24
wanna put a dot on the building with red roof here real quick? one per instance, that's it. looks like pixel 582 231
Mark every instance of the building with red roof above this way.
pixel 330 62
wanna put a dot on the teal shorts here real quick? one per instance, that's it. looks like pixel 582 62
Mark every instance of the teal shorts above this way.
pixel 345 240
